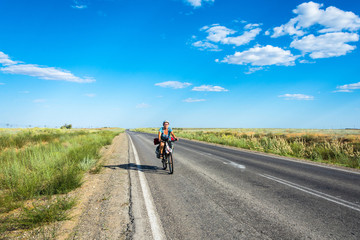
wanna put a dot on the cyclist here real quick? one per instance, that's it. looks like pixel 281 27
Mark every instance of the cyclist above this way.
pixel 165 133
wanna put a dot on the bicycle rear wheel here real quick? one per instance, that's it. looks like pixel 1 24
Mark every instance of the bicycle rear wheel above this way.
pixel 171 163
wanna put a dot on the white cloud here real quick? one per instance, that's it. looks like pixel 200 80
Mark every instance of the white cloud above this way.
pixel 296 97
pixel 198 3
pixel 251 25
pixel 348 87
pixel 79 4
pixel 305 61
pixel 288 28
pixel 262 56
pixel 220 34
pixel 47 73
pixel 217 33
pixel 254 69
pixel 5 60
pixel 205 45
pixel 2 83
pixel 91 95
pixel 39 100
pixel 142 105
pixel 209 88
pixel 24 92
pixel 326 45
pixel 173 84
pixel 190 100
pixel 343 90
pixel 42 72
pixel 310 14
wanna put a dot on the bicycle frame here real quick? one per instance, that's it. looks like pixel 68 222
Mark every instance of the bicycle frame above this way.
pixel 167 156
pixel 167 149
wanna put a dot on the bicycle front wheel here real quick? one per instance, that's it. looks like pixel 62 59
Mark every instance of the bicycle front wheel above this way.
pixel 171 163
pixel 164 162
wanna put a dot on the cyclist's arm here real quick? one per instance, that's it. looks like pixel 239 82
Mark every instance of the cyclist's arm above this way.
pixel 159 136
pixel 172 133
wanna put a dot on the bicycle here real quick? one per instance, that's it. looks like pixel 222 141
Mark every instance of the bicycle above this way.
pixel 167 158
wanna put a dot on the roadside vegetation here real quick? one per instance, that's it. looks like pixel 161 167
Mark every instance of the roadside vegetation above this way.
pixel 340 147
pixel 38 167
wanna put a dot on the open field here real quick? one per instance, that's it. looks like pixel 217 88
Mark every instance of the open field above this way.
pixel 334 146
pixel 39 166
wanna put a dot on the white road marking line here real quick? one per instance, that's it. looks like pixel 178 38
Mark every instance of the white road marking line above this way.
pixel 242 167
pixel 314 192
pixel 155 223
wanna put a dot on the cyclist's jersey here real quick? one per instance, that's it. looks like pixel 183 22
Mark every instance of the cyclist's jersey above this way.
pixel 163 136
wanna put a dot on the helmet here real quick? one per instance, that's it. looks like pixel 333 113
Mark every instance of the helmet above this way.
pixel 166 121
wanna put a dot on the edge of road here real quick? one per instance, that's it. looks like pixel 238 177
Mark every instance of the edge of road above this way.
pixel 293 159
pixel 154 220
pixel 100 202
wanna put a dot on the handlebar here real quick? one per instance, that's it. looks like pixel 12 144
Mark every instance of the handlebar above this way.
pixel 169 141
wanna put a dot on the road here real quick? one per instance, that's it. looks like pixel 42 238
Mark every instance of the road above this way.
pixel 225 193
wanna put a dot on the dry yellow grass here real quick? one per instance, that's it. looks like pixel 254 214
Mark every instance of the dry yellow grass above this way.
pixel 340 147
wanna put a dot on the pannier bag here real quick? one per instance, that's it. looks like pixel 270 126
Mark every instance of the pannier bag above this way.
pixel 156 141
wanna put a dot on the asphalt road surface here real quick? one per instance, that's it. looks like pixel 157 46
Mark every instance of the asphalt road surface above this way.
pixel 224 193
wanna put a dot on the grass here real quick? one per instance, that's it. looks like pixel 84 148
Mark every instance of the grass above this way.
pixel 38 163
pixel 339 147
pixel 38 213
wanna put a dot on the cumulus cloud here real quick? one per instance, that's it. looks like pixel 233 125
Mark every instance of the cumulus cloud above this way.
pixel 297 96
pixel 310 14
pixel 326 45
pixel 205 45
pixel 47 73
pixel 348 87
pixel 197 3
pixel 262 56
pixel 5 60
pixel 191 100
pixel 173 84
pixel 220 34
pixel 42 72
pixel 209 88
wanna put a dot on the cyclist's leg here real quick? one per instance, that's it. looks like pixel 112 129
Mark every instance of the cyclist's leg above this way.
pixel 161 148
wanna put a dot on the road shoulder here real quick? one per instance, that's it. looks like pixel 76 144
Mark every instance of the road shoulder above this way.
pixel 103 205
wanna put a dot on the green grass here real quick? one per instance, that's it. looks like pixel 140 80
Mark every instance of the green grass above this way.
pixel 43 162
pixel 38 214
pixel 340 147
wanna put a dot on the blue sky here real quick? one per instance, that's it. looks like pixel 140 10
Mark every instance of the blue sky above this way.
pixel 196 63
